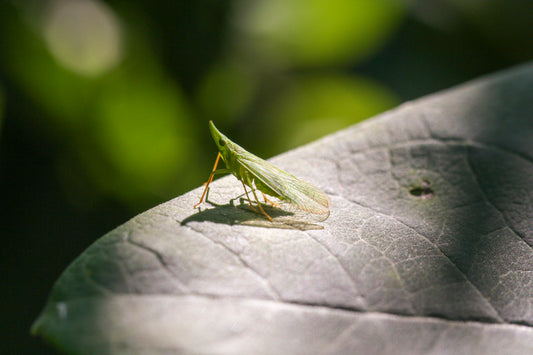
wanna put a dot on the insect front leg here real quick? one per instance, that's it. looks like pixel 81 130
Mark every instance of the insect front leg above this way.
pixel 210 178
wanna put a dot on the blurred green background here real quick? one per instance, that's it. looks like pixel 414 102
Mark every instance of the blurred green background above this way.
pixel 104 104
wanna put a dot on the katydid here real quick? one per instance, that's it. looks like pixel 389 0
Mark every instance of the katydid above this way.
pixel 259 174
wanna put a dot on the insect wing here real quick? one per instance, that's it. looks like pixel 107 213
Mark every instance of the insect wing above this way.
pixel 304 195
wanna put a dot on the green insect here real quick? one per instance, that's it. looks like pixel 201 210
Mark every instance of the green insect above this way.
pixel 258 174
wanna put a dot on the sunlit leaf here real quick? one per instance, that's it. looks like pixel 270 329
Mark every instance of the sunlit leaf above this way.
pixel 427 249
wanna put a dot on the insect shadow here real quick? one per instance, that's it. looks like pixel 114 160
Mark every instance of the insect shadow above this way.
pixel 242 214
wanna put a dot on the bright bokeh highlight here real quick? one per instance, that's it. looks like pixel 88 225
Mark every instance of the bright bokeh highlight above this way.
pixel 83 35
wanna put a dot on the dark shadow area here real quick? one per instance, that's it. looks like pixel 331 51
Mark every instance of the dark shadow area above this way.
pixel 233 214
pixel 242 214
pixel 487 233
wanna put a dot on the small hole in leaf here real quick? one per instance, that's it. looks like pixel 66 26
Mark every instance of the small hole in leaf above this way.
pixel 423 191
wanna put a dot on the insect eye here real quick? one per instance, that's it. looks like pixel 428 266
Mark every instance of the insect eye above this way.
pixel 222 142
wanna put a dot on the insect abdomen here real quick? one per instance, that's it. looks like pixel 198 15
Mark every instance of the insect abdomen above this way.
pixel 241 173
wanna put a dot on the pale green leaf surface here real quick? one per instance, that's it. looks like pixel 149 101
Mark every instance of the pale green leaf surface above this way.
pixel 427 249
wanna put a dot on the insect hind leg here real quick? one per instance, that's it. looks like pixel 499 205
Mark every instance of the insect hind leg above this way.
pixel 269 201
pixel 248 197
pixel 257 201
pixel 261 208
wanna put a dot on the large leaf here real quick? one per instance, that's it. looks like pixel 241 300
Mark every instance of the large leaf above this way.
pixel 428 248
